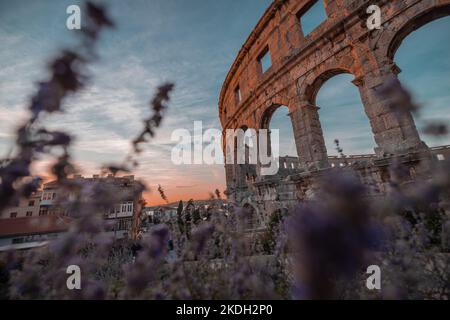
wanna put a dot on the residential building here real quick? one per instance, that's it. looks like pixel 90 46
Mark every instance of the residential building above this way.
pixel 25 208
pixel 124 214
pixel 31 232
pixel 36 220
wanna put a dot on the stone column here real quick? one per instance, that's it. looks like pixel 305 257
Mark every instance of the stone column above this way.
pixel 394 130
pixel 308 135
pixel 229 175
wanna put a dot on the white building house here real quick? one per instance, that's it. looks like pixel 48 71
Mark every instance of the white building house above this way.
pixel 25 208
pixel 30 232
pixel 34 221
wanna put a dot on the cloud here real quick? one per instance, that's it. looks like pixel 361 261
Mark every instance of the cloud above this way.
pixel 157 41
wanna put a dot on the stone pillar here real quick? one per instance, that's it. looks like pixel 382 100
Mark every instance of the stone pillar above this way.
pixel 308 135
pixel 394 131
pixel 241 182
pixel 229 175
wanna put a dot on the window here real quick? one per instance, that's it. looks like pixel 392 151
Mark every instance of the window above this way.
pixel 264 60
pixel 123 224
pixel 13 215
pixel 47 196
pixel 31 203
pixel 440 157
pixel 29 213
pixel 237 95
pixel 312 16
pixel 18 240
pixel 53 211
pixel 43 211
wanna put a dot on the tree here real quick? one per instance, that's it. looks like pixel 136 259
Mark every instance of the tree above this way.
pixel 196 216
pixel 180 217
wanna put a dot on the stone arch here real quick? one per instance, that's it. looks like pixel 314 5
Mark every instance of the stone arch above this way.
pixel 312 87
pixel 410 24
pixel 354 108
pixel 423 24
pixel 243 126
pixel 394 133
pixel 267 114
pixel 234 172
pixel 266 111
pixel 305 116
pixel 242 169
pixel 246 146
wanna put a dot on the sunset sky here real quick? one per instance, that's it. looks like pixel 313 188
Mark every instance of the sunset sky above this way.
pixel 193 44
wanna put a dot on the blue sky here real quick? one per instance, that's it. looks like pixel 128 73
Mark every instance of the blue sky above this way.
pixel 192 43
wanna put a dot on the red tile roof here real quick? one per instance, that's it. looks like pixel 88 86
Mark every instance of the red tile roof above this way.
pixel 33 225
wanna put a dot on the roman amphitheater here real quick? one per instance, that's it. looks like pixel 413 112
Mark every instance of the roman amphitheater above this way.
pixel 300 65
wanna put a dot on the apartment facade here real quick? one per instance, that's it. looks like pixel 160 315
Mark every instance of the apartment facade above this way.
pixel 123 215
pixel 41 217
pixel 31 232
pixel 25 208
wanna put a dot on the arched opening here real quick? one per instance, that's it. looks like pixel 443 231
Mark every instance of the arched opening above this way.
pixel 414 24
pixel 342 114
pixel 421 49
pixel 245 157
pixel 277 118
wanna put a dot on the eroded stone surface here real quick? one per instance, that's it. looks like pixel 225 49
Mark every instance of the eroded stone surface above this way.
pixel 300 65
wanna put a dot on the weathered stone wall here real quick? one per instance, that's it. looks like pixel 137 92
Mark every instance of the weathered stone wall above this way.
pixel 301 64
